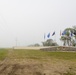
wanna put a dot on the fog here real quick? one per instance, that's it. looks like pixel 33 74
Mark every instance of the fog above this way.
pixel 24 22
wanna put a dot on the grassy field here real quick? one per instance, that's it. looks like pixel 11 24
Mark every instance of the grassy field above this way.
pixel 36 62
pixel 3 53
pixel 37 54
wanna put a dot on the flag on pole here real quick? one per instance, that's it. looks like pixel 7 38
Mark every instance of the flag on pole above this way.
pixel 74 33
pixel 64 32
pixel 60 33
pixel 53 33
pixel 71 34
pixel 48 35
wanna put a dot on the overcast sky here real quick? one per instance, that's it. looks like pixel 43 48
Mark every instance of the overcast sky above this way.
pixel 28 20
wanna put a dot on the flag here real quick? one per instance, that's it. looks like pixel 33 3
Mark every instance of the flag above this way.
pixel 74 33
pixel 48 35
pixel 53 33
pixel 60 33
pixel 64 32
pixel 71 34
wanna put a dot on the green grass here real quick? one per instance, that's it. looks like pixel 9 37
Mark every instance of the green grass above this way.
pixel 37 54
pixel 3 53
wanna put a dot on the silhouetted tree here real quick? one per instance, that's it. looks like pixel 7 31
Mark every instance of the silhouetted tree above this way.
pixel 49 42
pixel 69 37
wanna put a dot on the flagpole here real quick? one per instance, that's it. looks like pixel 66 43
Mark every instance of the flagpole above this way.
pixel 55 37
pixel 60 37
pixel 44 37
pixel 16 42
pixel 60 40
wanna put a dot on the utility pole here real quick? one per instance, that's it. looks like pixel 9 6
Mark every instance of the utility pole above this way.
pixel 16 42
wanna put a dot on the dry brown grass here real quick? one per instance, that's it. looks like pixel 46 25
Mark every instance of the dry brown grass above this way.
pixel 33 67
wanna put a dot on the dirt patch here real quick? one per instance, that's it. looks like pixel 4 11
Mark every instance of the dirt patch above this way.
pixel 23 67
pixel 20 69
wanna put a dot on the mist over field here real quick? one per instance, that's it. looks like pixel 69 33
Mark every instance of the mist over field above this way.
pixel 25 22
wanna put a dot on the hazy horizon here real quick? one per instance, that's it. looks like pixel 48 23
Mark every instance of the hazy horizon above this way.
pixel 27 20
